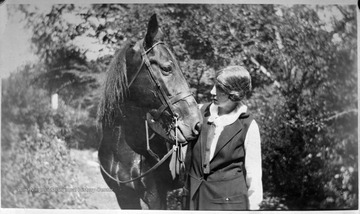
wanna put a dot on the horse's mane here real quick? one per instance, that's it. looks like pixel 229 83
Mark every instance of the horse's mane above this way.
pixel 115 87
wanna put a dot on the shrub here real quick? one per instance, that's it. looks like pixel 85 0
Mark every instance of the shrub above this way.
pixel 36 170
pixel 35 147
pixel 77 127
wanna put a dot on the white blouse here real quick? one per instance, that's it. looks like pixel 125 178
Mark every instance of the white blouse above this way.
pixel 252 148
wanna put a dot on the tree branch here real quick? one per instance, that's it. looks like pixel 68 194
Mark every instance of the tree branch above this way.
pixel 278 38
pixel 264 71
pixel 333 117
pixel 337 115
pixel 280 44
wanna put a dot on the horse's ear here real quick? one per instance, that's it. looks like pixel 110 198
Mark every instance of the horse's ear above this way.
pixel 152 30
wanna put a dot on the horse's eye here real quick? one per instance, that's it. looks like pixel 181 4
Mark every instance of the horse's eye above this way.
pixel 166 67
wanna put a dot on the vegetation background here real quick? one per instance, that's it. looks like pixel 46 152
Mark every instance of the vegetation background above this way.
pixel 302 59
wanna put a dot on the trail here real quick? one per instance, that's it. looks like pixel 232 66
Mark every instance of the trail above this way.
pixel 99 195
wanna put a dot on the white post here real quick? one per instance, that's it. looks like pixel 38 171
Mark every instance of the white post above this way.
pixel 54 101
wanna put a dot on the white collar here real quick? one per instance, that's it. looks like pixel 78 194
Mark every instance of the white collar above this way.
pixel 225 119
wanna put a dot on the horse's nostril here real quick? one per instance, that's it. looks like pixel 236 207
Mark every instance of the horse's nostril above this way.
pixel 197 128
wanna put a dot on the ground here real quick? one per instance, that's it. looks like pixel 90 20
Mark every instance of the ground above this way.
pixel 98 195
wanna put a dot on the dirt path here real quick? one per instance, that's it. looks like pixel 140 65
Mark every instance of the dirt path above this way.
pixel 98 196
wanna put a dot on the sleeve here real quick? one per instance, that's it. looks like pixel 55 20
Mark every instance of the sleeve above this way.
pixel 253 166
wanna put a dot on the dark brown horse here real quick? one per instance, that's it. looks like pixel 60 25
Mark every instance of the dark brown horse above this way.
pixel 144 87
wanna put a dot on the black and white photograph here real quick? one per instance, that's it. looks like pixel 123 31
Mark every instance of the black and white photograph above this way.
pixel 179 105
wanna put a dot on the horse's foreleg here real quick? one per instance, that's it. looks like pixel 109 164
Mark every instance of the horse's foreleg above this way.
pixel 155 193
pixel 126 196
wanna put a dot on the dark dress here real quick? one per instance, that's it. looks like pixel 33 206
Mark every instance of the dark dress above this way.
pixel 224 186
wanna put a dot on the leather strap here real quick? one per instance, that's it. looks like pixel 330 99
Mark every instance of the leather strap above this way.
pixel 163 159
pixel 173 100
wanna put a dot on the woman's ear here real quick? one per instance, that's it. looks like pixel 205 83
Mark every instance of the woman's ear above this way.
pixel 236 96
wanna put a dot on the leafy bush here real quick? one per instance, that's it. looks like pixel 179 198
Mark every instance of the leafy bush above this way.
pixel 24 104
pixel 308 163
pixel 273 203
pixel 79 130
pixel 175 199
pixel 35 165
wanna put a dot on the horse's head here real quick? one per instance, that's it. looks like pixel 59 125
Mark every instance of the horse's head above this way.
pixel 156 82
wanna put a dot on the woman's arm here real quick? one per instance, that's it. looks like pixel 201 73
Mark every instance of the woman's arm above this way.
pixel 253 166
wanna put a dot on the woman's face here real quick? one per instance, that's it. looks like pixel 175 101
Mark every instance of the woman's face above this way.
pixel 220 98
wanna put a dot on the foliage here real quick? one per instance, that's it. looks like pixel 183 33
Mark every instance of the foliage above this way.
pixel 35 145
pixel 175 199
pixel 65 69
pixel 37 170
pixel 79 129
pixel 304 73
pixel 313 116
pixel 25 104
pixel 273 203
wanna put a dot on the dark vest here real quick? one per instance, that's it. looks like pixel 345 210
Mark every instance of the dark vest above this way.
pixel 224 187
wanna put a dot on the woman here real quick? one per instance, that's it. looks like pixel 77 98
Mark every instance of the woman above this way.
pixel 225 172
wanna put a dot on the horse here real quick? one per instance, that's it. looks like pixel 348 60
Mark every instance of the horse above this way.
pixel 147 113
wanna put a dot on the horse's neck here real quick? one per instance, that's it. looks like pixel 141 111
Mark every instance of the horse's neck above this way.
pixel 134 129
pixel 129 131
pixel 136 135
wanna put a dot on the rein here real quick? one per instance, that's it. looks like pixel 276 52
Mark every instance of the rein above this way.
pixel 144 174
pixel 167 103
pixel 163 159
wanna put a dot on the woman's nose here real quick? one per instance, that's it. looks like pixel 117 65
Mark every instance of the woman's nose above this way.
pixel 213 91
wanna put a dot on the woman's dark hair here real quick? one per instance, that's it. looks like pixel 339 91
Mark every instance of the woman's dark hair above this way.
pixel 235 81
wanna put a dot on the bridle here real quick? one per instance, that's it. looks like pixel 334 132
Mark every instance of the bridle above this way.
pixel 167 103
